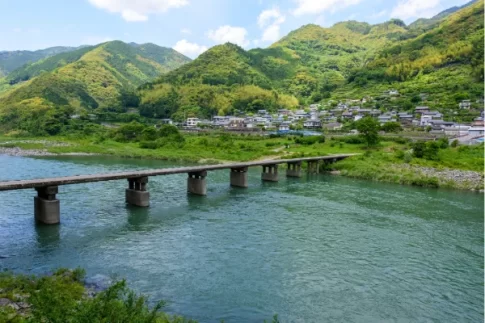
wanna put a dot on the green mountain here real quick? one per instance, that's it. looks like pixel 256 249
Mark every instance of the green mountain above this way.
pixel 428 23
pixel 445 62
pixel 347 61
pixel 11 60
pixel 102 77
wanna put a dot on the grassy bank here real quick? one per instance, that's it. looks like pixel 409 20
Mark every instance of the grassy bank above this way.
pixel 391 160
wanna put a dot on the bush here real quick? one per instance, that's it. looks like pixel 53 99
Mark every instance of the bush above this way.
pixel 455 143
pixel 431 151
pixel 443 143
pixel 310 140
pixel 418 149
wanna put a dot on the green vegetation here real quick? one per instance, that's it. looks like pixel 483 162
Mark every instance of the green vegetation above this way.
pixel 11 60
pixel 100 79
pixel 62 297
pixel 393 159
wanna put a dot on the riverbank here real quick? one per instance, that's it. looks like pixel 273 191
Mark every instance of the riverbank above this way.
pixel 453 167
pixel 65 296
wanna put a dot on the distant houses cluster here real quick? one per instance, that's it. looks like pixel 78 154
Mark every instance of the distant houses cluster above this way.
pixel 316 117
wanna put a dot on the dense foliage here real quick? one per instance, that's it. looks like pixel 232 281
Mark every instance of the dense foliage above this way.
pixel 62 297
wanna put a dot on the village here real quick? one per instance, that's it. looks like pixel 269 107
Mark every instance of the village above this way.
pixel 338 118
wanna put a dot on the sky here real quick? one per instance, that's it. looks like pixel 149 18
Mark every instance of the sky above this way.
pixel 189 26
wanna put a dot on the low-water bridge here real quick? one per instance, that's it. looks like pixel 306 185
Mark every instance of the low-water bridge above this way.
pixel 47 206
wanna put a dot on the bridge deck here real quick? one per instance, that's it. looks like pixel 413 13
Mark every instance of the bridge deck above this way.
pixel 56 181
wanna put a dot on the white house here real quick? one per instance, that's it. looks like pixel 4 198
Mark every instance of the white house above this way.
pixel 425 120
pixel 192 122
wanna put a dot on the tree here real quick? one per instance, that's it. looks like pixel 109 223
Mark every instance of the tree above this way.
pixel 391 127
pixel 368 128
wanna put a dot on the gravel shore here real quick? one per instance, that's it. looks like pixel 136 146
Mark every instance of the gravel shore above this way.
pixel 15 151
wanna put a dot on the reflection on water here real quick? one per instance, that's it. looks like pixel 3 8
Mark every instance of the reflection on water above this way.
pixel 313 249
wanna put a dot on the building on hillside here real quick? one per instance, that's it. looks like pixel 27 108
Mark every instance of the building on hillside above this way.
pixel 465 104
pixel 476 131
pixel 312 124
pixel 262 112
pixel 332 126
pixel 284 127
pixel 220 121
pixel 192 122
pixel 347 115
pixel 478 122
pixel 421 109
pixel 457 130
pixel 383 118
pixel 166 121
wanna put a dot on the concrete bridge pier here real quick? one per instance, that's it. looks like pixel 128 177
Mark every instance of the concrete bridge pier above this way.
pixel 313 167
pixel 239 177
pixel 270 173
pixel 293 170
pixel 46 206
pixel 196 183
pixel 136 193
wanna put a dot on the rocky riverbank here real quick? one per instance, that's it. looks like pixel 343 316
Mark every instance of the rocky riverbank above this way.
pixel 16 151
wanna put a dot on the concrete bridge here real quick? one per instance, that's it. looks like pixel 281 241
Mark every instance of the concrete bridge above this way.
pixel 47 206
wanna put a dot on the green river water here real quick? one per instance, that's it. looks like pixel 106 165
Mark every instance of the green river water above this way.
pixel 316 249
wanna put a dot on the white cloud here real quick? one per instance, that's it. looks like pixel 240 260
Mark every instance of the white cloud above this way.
pixel 224 34
pixel 378 14
pixel 305 7
pixel 270 20
pixel 133 16
pixel 186 31
pixel 189 49
pixel 406 9
pixel 271 34
pixel 266 16
pixel 137 10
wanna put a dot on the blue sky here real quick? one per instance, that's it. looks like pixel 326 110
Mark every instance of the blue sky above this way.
pixel 190 26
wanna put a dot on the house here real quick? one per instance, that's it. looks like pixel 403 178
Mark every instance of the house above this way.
pixel 383 118
pixel 457 130
pixel 393 92
pixel 333 126
pixel 192 122
pixel 262 112
pixel 347 115
pixel 236 123
pixel 405 118
pixel 220 121
pixel 476 131
pixel 166 121
pixel 421 110
pixel 465 104
pixel 312 124
pixel 425 120
pixel 478 122
pixel 283 112
pixel 435 115
pixel 284 127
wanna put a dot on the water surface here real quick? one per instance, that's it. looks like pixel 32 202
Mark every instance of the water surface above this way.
pixel 314 249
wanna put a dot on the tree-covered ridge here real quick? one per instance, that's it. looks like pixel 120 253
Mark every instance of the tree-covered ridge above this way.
pixel 100 76
pixel 446 61
pixel 11 60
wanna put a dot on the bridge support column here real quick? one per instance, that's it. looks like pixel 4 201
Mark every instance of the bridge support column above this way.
pixel 293 170
pixel 239 177
pixel 196 183
pixel 136 193
pixel 313 167
pixel 270 173
pixel 46 206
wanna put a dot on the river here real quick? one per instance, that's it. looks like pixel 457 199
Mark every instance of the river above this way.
pixel 319 248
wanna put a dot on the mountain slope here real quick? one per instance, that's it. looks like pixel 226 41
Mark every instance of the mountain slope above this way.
pixel 427 23
pixel 11 60
pixel 103 77
pixel 445 61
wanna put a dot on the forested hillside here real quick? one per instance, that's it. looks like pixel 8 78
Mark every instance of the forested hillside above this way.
pixel 102 77
pixel 439 58
pixel 11 60
pixel 350 60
